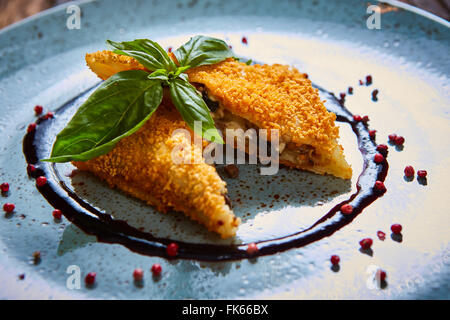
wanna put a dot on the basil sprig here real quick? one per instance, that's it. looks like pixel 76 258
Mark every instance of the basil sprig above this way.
pixel 192 108
pixel 118 108
pixel 149 53
pixel 201 50
pixel 126 100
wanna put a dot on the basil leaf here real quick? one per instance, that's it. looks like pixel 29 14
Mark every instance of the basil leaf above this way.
pixel 201 50
pixel 160 74
pixel 180 70
pixel 118 108
pixel 149 53
pixel 184 77
pixel 192 108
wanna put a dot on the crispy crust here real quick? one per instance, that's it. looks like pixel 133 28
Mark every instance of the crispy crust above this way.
pixel 106 63
pixel 270 96
pixel 278 97
pixel 142 166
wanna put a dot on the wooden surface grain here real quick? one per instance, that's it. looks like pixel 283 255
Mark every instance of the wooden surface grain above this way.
pixel 438 7
pixel 15 10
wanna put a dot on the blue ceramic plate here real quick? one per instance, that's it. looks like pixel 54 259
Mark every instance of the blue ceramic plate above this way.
pixel 42 62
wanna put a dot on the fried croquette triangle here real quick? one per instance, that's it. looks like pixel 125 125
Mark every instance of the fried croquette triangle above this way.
pixel 276 97
pixel 258 96
pixel 143 166
pixel 265 97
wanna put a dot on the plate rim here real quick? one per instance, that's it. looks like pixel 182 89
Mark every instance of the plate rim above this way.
pixel 62 6
pixel 55 10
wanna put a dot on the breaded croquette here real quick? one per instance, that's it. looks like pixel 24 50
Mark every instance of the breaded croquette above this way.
pixel 266 97
pixel 276 97
pixel 247 96
pixel 106 63
pixel 142 166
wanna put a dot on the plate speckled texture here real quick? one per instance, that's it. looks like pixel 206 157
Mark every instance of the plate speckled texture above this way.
pixel 42 63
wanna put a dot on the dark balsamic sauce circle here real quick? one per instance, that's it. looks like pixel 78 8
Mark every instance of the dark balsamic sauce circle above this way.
pixel 109 230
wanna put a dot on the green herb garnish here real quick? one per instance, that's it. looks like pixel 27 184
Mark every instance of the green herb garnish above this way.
pixel 126 100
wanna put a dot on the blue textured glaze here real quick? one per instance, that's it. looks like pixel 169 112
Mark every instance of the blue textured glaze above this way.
pixel 42 63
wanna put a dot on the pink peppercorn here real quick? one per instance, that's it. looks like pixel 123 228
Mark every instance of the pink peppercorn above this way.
pixel 4 187
pixel 38 109
pixel 138 274
pixel 357 118
pixel 372 134
pixel 366 243
pixel 156 269
pixel 369 79
pixel 374 94
pixel 172 249
pixel 49 115
pixel 350 90
pixel 396 228
pixel 335 260
pixel 252 248
pixel 399 140
pixel 379 186
pixel 382 148
pixel 346 209
pixel 381 235
pixel 41 181
pixel 392 137
pixel 342 95
pixel 378 158
pixel 422 173
pixel 365 119
pixel 31 127
pixel 244 40
pixel 9 207
pixel 409 171
pixel 57 214
pixel 90 278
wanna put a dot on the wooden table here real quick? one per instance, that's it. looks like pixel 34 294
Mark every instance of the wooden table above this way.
pixel 15 10
pixel 440 8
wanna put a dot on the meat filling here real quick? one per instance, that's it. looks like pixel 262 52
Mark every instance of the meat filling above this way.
pixel 302 155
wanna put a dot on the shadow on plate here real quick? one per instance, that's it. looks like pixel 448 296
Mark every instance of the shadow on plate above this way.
pixel 269 206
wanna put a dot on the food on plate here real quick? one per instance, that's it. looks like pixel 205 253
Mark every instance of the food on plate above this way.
pixel 275 97
pixel 106 63
pixel 266 97
pixel 141 165
pixel 126 131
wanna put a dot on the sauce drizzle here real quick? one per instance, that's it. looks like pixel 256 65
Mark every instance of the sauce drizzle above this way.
pixel 110 230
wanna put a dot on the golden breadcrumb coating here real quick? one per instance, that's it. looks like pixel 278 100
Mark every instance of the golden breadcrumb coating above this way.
pixel 278 97
pixel 269 96
pixel 142 166
pixel 106 63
